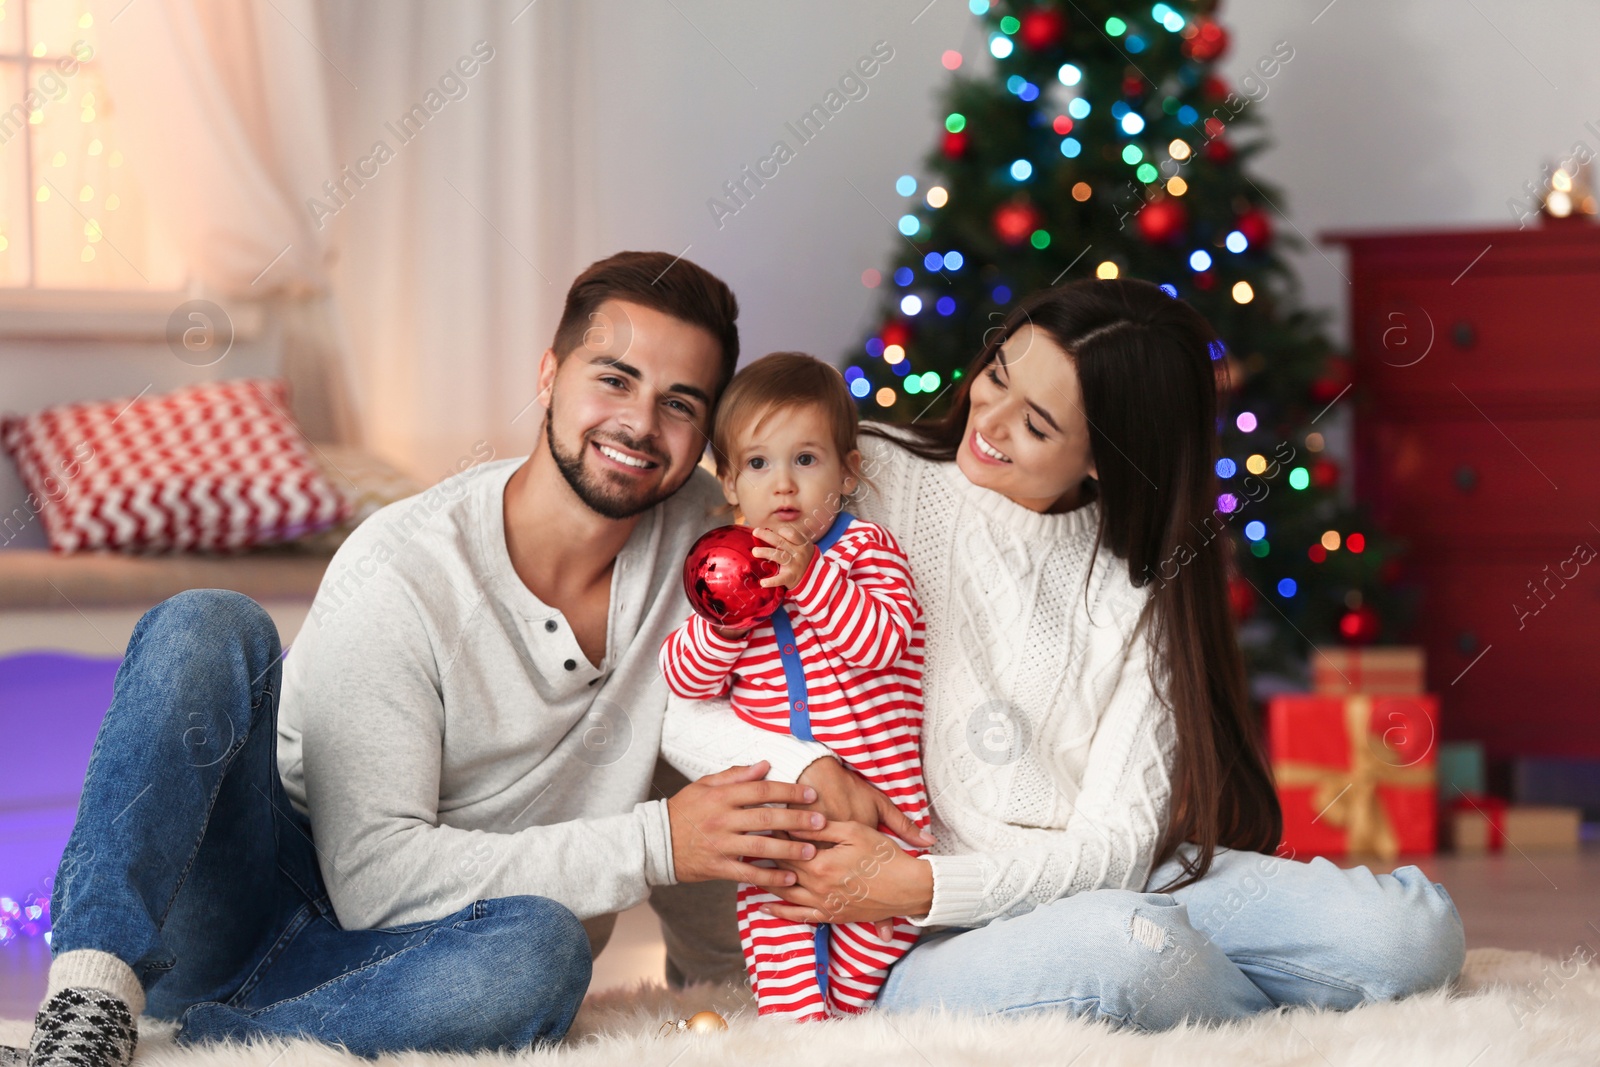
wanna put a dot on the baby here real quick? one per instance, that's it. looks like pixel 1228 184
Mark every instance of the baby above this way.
pixel 839 661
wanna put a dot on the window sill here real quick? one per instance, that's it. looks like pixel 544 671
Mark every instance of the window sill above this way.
pixel 107 314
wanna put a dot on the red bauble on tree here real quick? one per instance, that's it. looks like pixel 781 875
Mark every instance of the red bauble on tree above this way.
pixel 1335 376
pixel 1218 150
pixel 955 145
pixel 1041 28
pixel 1214 88
pixel 1256 227
pixel 1162 221
pixel 1324 474
pixel 1360 625
pixel 1325 390
pixel 1241 598
pixel 1208 41
pixel 1014 221
pixel 895 332
pixel 1132 85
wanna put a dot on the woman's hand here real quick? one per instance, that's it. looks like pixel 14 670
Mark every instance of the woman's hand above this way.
pixel 845 796
pixel 864 877
pixel 790 550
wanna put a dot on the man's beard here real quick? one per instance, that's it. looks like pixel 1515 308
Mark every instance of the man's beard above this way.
pixel 598 492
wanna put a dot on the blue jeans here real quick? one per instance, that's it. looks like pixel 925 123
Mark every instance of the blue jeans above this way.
pixel 1256 933
pixel 188 862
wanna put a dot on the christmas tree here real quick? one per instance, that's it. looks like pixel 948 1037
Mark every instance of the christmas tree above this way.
pixel 1101 142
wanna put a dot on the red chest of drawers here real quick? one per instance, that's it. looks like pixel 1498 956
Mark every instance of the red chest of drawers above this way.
pixel 1477 439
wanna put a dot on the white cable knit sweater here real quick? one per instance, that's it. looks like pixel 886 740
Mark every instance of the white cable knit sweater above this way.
pixel 1047 750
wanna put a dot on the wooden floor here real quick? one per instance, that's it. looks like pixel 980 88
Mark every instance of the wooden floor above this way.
pixel 1544 902
pixel 1541 901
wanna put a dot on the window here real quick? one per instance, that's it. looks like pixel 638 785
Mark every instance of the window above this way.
pixel 71 215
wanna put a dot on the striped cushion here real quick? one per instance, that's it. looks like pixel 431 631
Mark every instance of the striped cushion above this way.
pixel 211 467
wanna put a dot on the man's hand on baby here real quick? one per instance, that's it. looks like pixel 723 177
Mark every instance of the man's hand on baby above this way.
pixel 713 822
pixel 790 550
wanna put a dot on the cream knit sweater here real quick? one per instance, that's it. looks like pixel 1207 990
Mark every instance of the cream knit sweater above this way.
pixel 1047 748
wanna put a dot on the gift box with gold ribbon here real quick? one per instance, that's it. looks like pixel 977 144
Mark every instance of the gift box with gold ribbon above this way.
pixel 1355 774
pixel 1375 669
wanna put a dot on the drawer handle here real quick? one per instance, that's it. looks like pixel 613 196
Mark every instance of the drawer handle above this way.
pixel 1463 334
pixel 1466 478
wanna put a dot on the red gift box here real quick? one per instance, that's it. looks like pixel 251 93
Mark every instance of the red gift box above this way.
pixel 1355 774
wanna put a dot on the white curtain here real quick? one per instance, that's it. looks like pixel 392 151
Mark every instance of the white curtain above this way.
pixel 421 161
pixel 226 100
pixel 456 249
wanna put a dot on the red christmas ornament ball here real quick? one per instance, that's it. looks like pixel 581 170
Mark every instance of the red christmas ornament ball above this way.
pixel 1208 41
pixel 1256 227
pixel 1218 150
pixel 1014 221
pixel 1214 88
pixel 1325 390
pixel 1041 28
pixel 1162 221
pixel 722 579
pixel 1360 626
pixel 1324 474
pixel 1241 598
pixel 1335 376
pixel 895 332
pixel 1133 85
pixel 955 145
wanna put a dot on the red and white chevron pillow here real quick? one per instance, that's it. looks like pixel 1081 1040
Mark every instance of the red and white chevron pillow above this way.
pixel 211 467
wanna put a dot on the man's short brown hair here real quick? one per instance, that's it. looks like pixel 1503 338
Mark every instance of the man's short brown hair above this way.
pixel 657 280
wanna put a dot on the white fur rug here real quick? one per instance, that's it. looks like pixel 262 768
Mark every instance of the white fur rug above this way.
pixel 1508 1008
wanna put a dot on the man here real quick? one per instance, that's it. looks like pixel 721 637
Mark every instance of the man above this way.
pixel 400 855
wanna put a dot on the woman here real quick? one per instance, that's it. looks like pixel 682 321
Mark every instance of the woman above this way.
pixel 1102 807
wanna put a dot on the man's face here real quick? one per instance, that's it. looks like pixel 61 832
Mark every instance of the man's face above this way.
pixel 630 407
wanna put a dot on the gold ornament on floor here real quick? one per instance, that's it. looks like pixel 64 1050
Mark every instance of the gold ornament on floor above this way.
pixel 701 1022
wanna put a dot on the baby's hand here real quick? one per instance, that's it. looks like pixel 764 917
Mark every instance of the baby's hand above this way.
pixel 790 550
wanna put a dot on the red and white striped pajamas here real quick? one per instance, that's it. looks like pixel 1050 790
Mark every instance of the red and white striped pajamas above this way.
pixel 858 632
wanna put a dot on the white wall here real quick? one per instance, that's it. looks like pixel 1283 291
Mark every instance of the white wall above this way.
pixel 680 113
pixel 1420 114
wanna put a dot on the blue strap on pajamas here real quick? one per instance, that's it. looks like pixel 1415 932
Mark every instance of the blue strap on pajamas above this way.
pixel 794 676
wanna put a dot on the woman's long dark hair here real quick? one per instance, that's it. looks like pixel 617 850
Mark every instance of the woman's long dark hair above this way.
pixel 1150 395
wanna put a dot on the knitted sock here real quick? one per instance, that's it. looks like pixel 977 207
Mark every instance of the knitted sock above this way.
pixel 88 1017
pixel 83 1028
